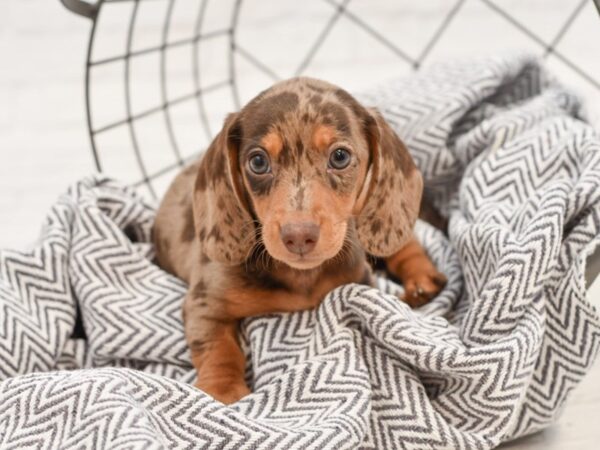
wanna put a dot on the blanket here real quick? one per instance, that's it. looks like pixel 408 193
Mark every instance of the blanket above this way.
pixel 506 155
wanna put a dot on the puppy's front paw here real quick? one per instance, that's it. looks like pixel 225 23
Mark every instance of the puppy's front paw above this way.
pixel 420 278
pixel 420 287
pixel 224 391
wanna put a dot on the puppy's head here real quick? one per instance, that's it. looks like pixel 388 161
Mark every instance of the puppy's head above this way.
pixel 305 162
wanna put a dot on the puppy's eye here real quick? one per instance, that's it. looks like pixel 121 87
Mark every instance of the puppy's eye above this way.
pixel 339 158
pixel 259 163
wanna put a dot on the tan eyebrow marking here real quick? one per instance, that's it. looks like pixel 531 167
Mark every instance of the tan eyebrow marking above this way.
pixel 323 136
pixel 272 143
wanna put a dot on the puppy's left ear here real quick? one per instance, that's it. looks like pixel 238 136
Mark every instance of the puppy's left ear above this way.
pixel 390 198
pixel 222 219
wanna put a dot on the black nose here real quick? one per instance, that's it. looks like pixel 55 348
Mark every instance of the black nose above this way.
pixel 301 237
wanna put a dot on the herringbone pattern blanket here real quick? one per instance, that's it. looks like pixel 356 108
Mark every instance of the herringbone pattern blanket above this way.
pixel 506 156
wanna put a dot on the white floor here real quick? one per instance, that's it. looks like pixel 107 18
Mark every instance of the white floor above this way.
pixel 44 144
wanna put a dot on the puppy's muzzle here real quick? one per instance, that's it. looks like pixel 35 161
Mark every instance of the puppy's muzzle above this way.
pixel 300 237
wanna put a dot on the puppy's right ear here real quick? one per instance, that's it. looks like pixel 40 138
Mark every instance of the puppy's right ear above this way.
pixel 222 220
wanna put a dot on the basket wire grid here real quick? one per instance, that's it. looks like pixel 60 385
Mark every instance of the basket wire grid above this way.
pixel 201 29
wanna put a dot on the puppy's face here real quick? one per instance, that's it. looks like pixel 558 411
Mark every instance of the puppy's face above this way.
pixel 303 158
pixel 307 161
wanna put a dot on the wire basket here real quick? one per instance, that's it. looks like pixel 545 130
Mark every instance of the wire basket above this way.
pixel 162 74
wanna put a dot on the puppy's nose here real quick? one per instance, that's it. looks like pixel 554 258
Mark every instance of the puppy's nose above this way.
pixel 300 237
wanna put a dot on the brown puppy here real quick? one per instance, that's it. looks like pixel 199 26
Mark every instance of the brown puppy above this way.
pixel 292 194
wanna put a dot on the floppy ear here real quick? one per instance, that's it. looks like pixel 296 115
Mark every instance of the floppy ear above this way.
pixel 222 222
pixel 391 195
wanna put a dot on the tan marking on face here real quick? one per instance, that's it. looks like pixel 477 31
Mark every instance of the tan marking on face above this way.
pixel 323 137
pixel 272 143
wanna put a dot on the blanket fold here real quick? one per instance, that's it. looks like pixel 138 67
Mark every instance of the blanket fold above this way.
pixel 506 156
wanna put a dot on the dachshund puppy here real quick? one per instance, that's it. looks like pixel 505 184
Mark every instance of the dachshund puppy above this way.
pixel 292 195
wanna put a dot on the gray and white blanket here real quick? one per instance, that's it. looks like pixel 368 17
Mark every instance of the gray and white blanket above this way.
pixel 505 154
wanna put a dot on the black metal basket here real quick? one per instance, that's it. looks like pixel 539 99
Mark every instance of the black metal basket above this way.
pixel 148 143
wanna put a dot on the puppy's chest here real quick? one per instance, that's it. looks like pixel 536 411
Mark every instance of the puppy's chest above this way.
pixel 299 281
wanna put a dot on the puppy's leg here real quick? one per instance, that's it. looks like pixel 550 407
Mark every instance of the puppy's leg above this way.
pixel 211 324
pixel 215 353
pixel 420 278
